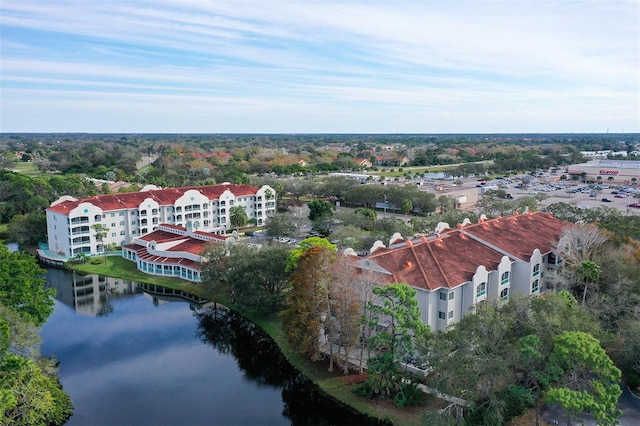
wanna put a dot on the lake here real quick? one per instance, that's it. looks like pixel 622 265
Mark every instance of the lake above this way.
pixel 128 357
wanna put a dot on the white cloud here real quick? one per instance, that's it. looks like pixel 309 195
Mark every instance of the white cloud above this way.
pixel 310 59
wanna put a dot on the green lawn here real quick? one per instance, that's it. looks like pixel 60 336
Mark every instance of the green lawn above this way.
pixel 26 169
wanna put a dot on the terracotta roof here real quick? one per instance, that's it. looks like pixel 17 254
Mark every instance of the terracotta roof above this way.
pixel 166 196
pixel 447 261
pixel 520 235
pixel 190 246
pixel 452 257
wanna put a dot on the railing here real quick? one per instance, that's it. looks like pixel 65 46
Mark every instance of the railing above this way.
pixel 481 293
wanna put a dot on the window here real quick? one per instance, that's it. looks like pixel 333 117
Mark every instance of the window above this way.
pixel 154 211
pixel 113 225
pixel 113 234
pixel 443 295
pixel 223 203
pixel 442 315
pixel 113 215
pixel 504 294
pixel 481 290
pixel 505 278
pixel 179 209
pixel 536 270
pixel 450 314
pixel 121 214
pixel 122 223
pixel 121 232
pixel 451 295
pixel 534 286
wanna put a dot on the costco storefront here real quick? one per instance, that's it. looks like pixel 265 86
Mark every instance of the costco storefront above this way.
pixel 618 171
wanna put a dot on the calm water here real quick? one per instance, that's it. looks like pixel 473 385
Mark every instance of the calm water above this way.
pixel 128 358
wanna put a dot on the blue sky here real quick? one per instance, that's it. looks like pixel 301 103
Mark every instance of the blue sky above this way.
pixel 313 66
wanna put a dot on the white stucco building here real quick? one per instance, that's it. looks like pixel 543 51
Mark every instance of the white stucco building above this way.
pixel 128 216
pixel 457 269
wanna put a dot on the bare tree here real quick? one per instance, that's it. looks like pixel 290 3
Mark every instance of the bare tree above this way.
pixel 580 243
pixel 580 246
pixel 345 308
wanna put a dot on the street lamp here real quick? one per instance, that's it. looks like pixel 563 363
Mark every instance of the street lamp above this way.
pixel 385 206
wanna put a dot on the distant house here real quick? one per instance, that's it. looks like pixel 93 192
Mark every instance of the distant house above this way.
pixel 390 159
pixel 456 269
pixel 363 163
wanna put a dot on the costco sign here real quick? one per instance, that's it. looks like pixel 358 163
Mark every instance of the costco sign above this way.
pixel 609 172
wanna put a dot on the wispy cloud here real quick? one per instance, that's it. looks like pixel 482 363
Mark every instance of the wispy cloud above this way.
pixel 320 66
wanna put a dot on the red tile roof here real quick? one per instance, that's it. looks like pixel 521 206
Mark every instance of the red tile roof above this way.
pixel 447 261
pixel 452 258
pixel 166 196
pixel 520 235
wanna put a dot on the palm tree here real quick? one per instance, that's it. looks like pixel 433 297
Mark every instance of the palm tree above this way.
pixel 590 273
pixel 238 217
pixel 101 234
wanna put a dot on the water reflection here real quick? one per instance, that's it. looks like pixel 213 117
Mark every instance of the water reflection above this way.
pixel 129 356
pixel 261 361
pixel 89 294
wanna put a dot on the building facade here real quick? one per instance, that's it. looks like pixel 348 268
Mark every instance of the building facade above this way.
pixel 71 223
pixel 610 171
pixel 172 251
pixel 456 269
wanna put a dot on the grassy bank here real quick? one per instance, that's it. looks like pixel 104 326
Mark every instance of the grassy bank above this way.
pixel 333 384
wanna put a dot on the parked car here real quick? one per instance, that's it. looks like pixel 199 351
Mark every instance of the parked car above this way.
pixel 606 200
pixel 620 196
pixel 583 207
pixel 634 205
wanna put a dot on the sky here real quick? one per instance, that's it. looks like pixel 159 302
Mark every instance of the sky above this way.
pixel 278 66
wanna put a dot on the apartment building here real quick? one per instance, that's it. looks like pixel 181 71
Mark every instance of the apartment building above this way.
pixel 128 216
pixel 458 268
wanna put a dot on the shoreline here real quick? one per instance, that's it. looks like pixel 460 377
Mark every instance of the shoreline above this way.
pixel 337 387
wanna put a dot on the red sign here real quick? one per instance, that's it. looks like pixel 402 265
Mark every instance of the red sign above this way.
pixel 608 172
